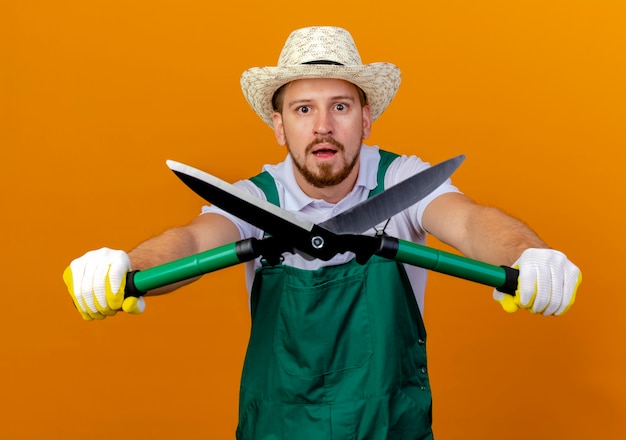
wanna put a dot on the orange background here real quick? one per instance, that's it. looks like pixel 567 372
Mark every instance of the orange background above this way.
pixel 96 95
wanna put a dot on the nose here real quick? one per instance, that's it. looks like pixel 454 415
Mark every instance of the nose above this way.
pixel 323 123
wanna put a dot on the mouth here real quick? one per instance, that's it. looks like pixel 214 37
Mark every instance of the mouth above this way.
pixel 324 152
pixel 325 148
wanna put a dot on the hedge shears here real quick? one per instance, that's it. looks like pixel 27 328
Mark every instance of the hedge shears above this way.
pixel 285 233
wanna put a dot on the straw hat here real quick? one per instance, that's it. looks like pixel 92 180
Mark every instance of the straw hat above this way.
pixel 320 52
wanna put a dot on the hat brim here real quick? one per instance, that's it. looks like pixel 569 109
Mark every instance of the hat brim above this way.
pixel 379 81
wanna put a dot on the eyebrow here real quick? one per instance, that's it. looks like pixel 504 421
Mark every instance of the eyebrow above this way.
pixel 332 98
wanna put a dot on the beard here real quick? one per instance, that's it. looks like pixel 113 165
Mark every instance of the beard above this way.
pixel 324 177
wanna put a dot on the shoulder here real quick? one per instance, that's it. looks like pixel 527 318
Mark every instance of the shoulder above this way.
pixel 402 167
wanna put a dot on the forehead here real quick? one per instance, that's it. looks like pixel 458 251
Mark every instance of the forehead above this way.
pixel 320 87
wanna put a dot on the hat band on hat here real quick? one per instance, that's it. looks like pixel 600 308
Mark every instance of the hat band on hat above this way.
pixel 326 62
pixel 320 52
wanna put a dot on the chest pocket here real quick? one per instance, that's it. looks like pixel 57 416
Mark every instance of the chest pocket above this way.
pixel 323 324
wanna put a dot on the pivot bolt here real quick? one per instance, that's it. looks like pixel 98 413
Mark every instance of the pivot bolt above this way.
pixel 317 242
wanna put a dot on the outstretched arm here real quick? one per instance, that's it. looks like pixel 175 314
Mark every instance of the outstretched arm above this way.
pixel 547 280
pixel 205 232
pixel 480 232
pixel 96 280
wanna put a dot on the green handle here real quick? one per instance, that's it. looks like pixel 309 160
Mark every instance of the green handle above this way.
pixel 502 278
pixel 139 282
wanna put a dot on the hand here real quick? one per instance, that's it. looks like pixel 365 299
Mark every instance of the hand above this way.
pixel 96 282
pixel 547 283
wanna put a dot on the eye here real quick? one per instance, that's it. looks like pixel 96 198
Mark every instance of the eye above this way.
pixel 341 107
pixel 303 109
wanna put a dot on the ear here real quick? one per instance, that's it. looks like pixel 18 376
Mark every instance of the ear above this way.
pixel 279 128
pixel 367 121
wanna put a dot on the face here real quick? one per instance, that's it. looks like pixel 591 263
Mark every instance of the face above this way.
pixel 323 125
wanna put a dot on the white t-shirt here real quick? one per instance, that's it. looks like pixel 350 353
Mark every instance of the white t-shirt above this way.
pixel 406 225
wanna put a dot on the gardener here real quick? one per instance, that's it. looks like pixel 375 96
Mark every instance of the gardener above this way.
pixel 337 349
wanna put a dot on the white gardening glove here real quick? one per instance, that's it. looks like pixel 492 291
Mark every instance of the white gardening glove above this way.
pixel 547 283
pixel 96 282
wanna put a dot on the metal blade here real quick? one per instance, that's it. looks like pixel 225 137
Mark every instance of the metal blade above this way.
pixel 393 200
pixel 264 215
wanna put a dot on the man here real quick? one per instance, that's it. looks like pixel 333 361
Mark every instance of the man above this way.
pixel 337 349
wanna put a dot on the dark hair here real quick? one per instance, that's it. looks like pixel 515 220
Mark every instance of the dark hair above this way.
pixel 277 98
